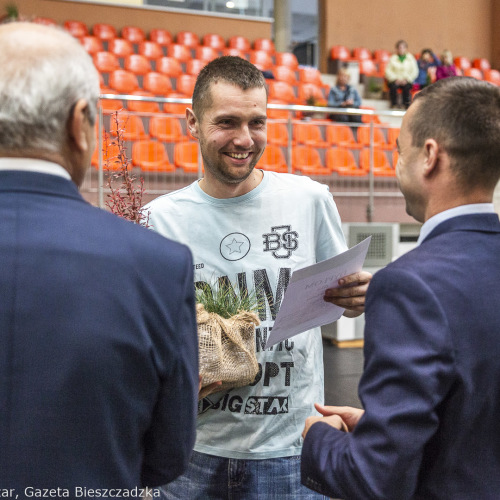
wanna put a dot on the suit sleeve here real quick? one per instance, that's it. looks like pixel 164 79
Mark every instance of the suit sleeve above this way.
pixel 170 439
pixel 408 371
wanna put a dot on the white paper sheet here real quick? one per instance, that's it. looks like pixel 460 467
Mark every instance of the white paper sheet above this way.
pixel 303 306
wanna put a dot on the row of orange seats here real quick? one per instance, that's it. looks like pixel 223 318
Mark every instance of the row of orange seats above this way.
pixel 152 156
pixel 374 63
pixel 169 129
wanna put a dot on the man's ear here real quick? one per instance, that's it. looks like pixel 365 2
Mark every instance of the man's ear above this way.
pixel 192 123
pixel 78 126
pixel 431 151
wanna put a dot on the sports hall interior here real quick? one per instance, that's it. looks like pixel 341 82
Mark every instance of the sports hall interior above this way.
pixel 148 57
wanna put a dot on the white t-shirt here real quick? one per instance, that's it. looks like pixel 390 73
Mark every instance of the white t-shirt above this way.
pixel 256 241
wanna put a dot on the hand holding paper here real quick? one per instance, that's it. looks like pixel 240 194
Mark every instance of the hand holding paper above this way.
pixel 303 306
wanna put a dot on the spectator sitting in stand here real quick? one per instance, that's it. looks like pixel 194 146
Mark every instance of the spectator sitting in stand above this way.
pixel 427 61
pixel 401 72
pixel 344 95
pixel 447 68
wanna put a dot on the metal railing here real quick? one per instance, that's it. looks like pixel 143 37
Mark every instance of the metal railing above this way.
pixel 367 189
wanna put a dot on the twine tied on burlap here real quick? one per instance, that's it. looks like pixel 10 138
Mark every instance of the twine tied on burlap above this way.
pixel 227 348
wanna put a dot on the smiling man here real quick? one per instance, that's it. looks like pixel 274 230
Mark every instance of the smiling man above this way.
pixel 249 230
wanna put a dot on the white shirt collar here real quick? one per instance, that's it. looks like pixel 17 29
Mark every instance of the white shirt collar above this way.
pixel 433 222
pixel 33 165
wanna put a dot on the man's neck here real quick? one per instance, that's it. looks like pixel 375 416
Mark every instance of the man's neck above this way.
pixel 220 190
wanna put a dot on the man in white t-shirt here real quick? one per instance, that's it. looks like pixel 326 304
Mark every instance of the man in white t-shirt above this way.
pixel 249 230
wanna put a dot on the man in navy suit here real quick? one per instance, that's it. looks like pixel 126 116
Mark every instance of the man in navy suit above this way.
pixel 98 342
pixel 431 382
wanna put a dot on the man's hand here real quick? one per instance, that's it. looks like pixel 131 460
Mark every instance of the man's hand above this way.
pixel 207 389
pixel 350 416
pixel 334 421
pixel 343 418
pixel 350 294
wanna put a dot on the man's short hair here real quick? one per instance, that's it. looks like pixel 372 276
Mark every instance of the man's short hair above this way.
pixel 44 71
pixel 463 116
pixel 229 69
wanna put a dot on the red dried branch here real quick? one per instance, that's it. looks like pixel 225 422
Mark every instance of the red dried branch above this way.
pixel 124 199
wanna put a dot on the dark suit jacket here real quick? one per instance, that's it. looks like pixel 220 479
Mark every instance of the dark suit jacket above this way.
pixel 431 382
pixel 98 344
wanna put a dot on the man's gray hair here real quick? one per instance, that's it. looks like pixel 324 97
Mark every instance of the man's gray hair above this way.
pixel 40 82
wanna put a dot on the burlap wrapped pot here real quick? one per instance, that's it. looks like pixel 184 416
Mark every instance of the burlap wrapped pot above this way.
pixel 227 348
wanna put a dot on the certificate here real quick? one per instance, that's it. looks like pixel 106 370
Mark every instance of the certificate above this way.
pixel 303 306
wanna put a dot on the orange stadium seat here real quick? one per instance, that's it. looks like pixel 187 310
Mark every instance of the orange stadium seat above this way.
pixel 194 66
pixel 214 40
pixel 157 83
pixel 166 129
pixel 133 34
pixel 307 90
pixel 462 63
pixel 310 75
pixel 381 56
pixel 277 133
pixel 131 127
pixel 110 156
pixel 104 31
pixel 161 36
pixel 277 114
pixel 188 38
pixel 340 52
pixel 179 52
pixel 110 105
pixel 123 81
pixel 105 62
pixel 151 50
pixel 143 106
pixel 368 67
pixel 370 118
pixel 285 74
pixel 77 28
pixel 308 161
pixel 151 156
pixel 186 156
pixel 176 108
pixel 120 47
pixel 381 165
pixel 342 162
pixel 341 135
pixel 137 64
pixel 239 42
pixel 169 66
pixel 265 44
pixel 392 135
pixel 206 53
pixel 474 73
pixel 286 59
pixel 282 91
pixel 92 44
pixel 309 134
pixel 273 159
pixel 361 53
pixel 378 137
pixel 232 51
pixel 482 64
pixel 492 76
pixel 185 84
pixel 261 59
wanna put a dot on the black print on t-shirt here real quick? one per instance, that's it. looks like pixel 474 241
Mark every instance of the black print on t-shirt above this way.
pixel 282 241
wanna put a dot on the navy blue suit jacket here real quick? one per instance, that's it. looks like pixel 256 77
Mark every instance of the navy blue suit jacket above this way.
pixel 98 344
pixel 431 381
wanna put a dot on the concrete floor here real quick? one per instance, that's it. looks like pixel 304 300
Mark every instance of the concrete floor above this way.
pixel 343 369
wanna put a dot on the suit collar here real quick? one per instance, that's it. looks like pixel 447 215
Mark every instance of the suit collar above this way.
pixel 479 222
pixel 35 182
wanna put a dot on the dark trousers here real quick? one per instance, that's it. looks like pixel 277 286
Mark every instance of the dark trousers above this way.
pixel 393 93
